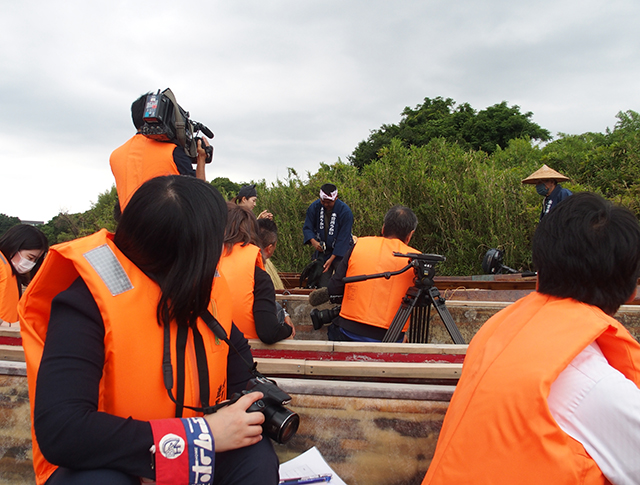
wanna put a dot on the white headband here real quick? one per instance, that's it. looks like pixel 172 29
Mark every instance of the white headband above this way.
pixel 332 196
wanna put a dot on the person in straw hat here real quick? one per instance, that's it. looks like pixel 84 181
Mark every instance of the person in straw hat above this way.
pixel 546 181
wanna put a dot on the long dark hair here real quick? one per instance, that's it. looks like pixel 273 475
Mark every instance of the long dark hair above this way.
pixel 242 227
pixel 172 229
pixel 23 236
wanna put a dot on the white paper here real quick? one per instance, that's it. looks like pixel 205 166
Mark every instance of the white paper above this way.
pixel 308 464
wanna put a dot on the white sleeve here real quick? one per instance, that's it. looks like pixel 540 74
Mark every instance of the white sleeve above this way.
pixel 598 406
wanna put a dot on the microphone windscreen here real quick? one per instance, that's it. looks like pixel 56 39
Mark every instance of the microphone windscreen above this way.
pixel 319 296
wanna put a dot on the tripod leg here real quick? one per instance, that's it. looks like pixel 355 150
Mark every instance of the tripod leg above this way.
pixel 403 313
pixel 418 332
pixel 447 319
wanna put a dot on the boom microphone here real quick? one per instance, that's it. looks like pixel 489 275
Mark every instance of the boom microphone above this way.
pixel 200 127
pixel 319 296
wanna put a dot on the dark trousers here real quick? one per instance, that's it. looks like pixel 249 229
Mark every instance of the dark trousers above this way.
pixel 253 465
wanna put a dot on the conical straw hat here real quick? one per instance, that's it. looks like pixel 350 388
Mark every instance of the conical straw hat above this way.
pixel 544 173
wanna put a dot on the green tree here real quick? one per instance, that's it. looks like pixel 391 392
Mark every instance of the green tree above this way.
pixel 101 213
pixel 498 124
pixel 7 222
pixel 66 227
pixel 486 130
pixel 227 188
pixel 607 162
pixel 63 227
pixel 467 200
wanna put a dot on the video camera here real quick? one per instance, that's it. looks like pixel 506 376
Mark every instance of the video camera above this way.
pixel 424 270
pixel 165 120
pixel 319 318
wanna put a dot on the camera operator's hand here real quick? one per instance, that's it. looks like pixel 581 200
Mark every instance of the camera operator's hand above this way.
pixel 202 157
pixel 233 427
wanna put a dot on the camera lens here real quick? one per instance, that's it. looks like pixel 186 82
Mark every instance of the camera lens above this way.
pixel 323 317
pixel 316 319
pixel 280 424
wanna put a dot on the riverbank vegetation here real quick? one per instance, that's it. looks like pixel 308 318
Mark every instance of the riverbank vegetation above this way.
pixel 466 192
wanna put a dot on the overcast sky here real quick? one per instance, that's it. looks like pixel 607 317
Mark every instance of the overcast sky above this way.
pixel 287 83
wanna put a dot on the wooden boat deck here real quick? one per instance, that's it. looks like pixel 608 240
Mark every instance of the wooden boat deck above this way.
pixel 373 410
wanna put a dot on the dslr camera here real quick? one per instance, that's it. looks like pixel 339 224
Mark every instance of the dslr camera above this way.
pixel 280 423
pixel 165 120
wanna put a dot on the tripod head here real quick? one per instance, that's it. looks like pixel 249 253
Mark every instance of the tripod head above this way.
pixel 424 266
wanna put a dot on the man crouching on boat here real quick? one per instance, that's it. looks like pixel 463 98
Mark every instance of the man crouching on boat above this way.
pixel 549 388
pixel 368 307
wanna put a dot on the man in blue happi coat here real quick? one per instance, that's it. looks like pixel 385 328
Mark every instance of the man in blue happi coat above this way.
pixel 327 228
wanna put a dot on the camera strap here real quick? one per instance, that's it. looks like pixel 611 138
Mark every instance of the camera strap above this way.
pixel 201 361
pixel 219 332
pixel 180 123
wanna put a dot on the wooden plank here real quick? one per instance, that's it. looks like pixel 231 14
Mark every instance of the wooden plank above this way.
pixel 12 352
pixel 384 370
pixel 12 368
pixel 272 367
pixel 356 347
pixel 294 345
pixel 389 370
pixel 359 347
pixel 373 390
pixel 13 331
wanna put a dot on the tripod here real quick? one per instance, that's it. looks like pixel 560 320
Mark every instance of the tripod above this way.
pixel 418 297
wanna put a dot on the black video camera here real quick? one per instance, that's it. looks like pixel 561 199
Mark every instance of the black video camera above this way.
pixel 324 317
pixel 165 120
pixel 280 424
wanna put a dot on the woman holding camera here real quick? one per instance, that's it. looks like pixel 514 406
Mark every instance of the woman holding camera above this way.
pixel 128 364
pixel 22 247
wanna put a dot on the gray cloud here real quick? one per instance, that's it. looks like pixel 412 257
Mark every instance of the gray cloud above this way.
pixel 287 83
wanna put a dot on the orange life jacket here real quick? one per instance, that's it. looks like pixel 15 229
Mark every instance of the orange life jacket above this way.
pixel 238 267
pixel 138 160
pixel 127 300
pixel 9 294
pixel 498 428
pixel 376 301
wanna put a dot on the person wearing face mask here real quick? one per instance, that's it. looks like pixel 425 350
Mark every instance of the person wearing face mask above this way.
pixel 21 248
pixel 546 181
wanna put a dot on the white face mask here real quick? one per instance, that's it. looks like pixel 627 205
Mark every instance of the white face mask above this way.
pixel 23 265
